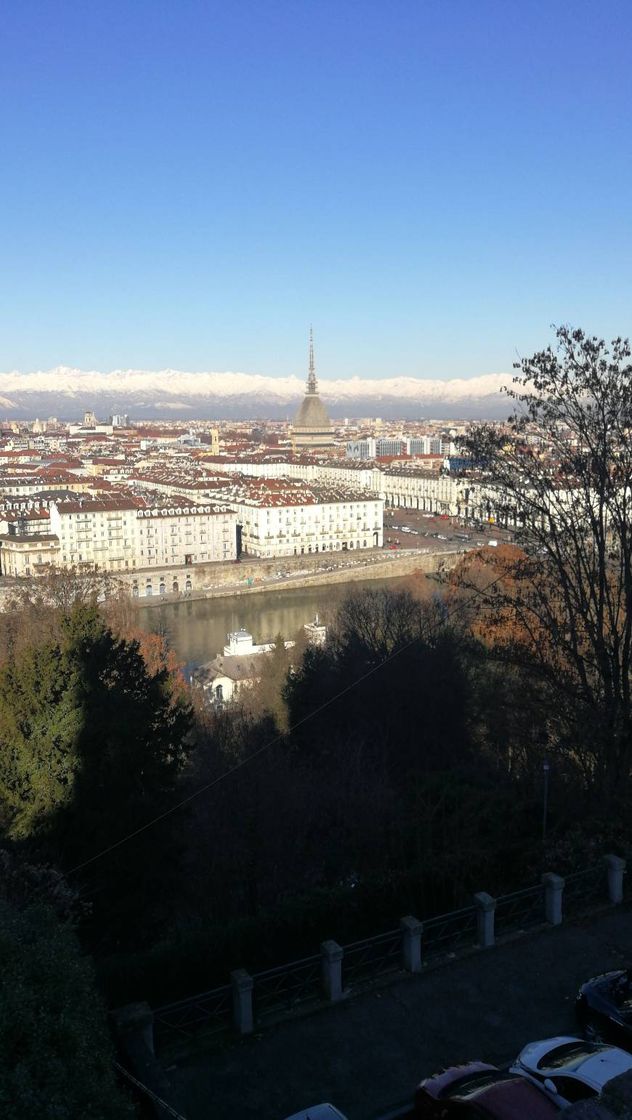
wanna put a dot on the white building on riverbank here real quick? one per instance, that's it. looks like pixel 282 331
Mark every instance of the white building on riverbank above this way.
pixel 286 517
pixel 125 533
pixel 116 533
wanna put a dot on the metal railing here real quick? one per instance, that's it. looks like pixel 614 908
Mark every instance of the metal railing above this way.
pixel 165 1108
pixel 375 956
pixel 449 932
pixel 212 1010
pixel 583 890
pixel 278 991
pixel 519 910
pixel 283 988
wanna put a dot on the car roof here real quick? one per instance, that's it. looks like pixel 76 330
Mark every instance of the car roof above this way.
pixel 505 1096
pixel 594 1063
pixel 517 1099
pixel 602 1067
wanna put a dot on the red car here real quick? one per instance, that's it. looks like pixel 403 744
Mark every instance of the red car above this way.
pixel 478 1091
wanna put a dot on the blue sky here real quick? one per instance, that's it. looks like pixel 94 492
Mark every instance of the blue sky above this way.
pixel 432 183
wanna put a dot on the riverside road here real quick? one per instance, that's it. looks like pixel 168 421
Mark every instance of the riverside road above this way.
pixel 366 1054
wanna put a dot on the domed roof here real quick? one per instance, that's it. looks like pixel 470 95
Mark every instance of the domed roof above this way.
pixel 312 427
pixel 312 414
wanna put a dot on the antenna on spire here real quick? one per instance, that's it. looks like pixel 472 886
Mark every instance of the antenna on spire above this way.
pixel 311 380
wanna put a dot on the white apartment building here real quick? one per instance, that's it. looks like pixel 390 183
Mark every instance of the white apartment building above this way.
pixel 27 485
pixel 300 520
pixel 118 534
pixel 436 493
pixel 27 555
pixel 196 534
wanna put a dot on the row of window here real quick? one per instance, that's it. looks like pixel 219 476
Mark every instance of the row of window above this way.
pixel 162 589
pixel 338 546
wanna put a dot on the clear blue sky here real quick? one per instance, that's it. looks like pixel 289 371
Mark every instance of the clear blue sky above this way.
pixel 432 183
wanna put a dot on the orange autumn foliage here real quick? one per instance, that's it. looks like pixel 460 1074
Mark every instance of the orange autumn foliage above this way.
pixel 487 587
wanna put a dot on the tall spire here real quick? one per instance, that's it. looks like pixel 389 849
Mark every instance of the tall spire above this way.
pixel 311 378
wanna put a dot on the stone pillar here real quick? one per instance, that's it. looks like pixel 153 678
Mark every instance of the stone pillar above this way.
pixel 332 954
pixel 553 894
pixel 134 1028
pixel 616 871
pixel 136 1021
pixel 485 913
pixel 242 984
pixel 411 943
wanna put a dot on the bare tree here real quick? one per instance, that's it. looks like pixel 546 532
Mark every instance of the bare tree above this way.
pixel 563 466
pixel 36 609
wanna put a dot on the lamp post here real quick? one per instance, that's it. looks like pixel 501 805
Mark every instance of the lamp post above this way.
pixel 545 806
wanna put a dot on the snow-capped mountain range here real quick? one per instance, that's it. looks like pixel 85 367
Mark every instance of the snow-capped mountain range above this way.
pixel 143 394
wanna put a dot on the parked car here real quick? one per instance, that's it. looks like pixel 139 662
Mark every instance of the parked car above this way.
pixel 604 1008
pixel 478 1091
pixel 571 1069
pixel 319 1112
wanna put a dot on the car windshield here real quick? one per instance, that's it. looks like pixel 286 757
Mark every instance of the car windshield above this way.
pixel 570 1055
pixel 472 1083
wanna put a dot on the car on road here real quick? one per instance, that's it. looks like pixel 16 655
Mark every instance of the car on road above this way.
pixel 604 1008
pixel 319 1112
pixel 571 1069
pixel 478 1091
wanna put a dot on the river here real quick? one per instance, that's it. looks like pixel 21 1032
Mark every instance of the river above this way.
pixel 197 628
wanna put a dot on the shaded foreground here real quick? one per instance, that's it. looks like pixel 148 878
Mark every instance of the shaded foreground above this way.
pixel 367 1054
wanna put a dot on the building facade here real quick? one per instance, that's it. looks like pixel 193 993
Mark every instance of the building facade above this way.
pixel 120 534
pixel 299 520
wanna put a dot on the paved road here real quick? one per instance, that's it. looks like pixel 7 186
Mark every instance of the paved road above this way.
pixel 366 1054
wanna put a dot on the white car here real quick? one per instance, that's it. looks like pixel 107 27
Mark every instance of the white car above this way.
pixel 571 1069
pixel 318 1112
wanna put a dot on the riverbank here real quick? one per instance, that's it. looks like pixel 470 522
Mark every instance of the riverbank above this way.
pixel 196 626
pixel 256 578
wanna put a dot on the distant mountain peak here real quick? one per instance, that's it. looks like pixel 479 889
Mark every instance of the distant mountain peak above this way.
pixel 67 392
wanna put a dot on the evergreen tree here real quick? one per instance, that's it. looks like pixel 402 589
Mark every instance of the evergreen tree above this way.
pixel 55 1053
pixel 88 738
pixel 91 746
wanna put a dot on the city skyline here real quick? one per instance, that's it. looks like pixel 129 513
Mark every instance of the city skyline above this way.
pixel 432 186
